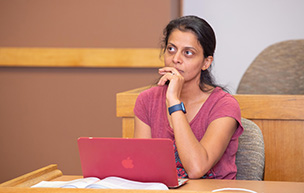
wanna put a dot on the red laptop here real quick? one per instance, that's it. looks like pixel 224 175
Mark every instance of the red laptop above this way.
pixel 143 160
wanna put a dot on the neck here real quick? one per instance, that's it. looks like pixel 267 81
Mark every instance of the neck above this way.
pixel 192 93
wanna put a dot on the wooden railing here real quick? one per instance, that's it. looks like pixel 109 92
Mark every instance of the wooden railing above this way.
pixel 27 180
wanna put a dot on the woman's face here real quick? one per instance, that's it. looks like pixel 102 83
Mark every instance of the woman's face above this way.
pixel 185 53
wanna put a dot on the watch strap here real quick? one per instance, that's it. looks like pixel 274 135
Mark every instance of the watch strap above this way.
pixel 178 107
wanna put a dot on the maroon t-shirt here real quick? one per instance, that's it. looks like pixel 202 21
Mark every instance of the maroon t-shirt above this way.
pixel 151 108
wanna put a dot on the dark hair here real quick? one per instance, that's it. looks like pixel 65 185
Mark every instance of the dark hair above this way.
pixel 206 37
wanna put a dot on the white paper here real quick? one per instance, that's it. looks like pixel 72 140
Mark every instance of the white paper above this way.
pixel 107 183
pixel 120 183
pixel 79 183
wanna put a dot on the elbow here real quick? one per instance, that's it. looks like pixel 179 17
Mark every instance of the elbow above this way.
pixel 196 173
pixel 198 170
pixel 199 167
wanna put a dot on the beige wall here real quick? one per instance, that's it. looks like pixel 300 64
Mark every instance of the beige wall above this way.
pixel 44 110
pixel 89 23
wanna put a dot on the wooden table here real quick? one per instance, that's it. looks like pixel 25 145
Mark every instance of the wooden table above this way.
pixel 22 184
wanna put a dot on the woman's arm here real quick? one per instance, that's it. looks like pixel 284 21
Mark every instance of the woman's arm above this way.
pixel 141 129
pixel 198 157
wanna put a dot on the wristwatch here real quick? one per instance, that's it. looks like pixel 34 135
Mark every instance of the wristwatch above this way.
pixel 178 107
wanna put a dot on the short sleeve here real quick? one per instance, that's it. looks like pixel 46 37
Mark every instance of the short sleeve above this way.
pixel 227 106
pixel 141 107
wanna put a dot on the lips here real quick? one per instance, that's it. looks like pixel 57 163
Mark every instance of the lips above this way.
pixel 180 71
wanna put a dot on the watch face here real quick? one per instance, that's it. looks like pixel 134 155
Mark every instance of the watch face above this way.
pixel 183 107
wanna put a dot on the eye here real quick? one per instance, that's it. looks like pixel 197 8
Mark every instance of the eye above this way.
pixel 189 53
pixel 170 49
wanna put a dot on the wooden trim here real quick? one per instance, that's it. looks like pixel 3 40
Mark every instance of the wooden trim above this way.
pixel 282 107
pixel 80 57
pixel 128 127
pixel 125 102
pixel 46 173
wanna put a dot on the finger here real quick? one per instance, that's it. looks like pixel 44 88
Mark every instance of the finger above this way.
pixel 167 70
pixel 166 77
pixel 162 81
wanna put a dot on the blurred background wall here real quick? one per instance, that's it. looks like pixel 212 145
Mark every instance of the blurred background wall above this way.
pixel 43 110
pixel 244 28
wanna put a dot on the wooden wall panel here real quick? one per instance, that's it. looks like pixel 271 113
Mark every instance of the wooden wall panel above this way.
pixel 284 149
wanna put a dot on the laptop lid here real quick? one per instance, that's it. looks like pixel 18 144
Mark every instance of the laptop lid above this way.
pixel 144 160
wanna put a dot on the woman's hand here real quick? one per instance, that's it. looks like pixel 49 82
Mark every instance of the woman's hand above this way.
pixel 175 86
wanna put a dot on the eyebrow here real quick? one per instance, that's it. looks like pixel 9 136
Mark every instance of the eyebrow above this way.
pixel 187 47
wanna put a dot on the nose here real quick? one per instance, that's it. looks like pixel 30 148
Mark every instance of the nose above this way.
pixel 177 58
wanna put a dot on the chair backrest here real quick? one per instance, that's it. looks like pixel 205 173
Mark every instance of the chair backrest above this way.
pixel 250 157
pixel 278 69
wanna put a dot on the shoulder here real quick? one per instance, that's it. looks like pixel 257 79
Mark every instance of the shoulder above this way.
pixel 151 96
pixel 219 97
pixel 221 103
pixel 149 100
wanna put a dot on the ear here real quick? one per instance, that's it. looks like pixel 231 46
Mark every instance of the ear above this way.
pixel 207 62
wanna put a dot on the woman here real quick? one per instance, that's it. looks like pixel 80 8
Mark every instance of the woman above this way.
pixel 203 121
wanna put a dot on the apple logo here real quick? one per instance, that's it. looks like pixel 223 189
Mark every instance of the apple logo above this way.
pixel 127 163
